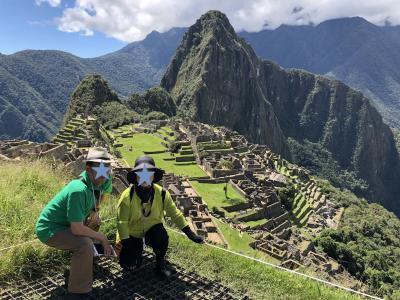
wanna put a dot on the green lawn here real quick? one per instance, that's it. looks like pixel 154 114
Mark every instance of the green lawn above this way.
pixel 213 194
pixel 148 142
pixel 164 132
pixel 255 223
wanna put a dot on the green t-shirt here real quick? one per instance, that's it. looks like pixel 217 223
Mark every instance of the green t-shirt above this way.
pixel 72 204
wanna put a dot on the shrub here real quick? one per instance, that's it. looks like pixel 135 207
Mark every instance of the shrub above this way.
pixel 154 115
pixel 225 165
pixel 173 147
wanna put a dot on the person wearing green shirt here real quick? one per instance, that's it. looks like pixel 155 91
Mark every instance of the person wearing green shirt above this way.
pixel 140 217
pixel 66 222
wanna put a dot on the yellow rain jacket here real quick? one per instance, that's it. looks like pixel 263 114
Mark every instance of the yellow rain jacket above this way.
pixel 132 222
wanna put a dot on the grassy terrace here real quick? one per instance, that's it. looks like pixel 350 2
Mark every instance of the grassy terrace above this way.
pixel 164 131
pixel 256 223
pixel 142 142
pixel 239 242
pixel 19 212
pixel 213 194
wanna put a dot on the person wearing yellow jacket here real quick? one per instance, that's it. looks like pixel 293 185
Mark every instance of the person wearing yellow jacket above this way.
pixel 140 215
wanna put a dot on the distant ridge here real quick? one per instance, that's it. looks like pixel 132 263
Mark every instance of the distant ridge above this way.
pixel 353 50
pixel 362 55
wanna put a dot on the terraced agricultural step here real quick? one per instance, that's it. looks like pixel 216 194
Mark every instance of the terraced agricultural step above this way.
pixel 186 158
pixel 297 199
pixel 186 152
pixel 304 212
pixel 300 206
pixel 61 140
pixel 304 220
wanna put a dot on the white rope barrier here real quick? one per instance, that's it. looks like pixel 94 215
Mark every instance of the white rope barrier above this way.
pixel 288 270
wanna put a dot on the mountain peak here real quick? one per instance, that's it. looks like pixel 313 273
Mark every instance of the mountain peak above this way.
pixel 347 22
pixel 92 91
pixel 213 20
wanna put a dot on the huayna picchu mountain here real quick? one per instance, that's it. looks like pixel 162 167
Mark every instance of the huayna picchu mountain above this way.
pixel 213 79
pixel 216 78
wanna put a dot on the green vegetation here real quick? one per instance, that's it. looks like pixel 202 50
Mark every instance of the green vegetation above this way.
pixel 24 188
pixel 367 242
pixel 142 142
pixel 167 133
pixel 213 194
pixel 239 242
pixel 396 134
pixel 320 161
pixel 155 99
pixel 115 114
pixel 287 195
pixel 256 223
pixel 154 115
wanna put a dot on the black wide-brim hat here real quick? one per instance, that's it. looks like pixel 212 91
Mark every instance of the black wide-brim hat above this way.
pixel 140 163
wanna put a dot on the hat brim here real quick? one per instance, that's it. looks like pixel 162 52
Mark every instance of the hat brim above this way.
pixel 97 160
pixel 158 175
pixel 142 165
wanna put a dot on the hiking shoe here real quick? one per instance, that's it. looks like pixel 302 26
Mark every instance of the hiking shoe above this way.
pixel 162 271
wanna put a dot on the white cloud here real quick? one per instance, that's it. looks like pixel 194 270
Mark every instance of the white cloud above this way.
pixel 53 3
pixel 131 20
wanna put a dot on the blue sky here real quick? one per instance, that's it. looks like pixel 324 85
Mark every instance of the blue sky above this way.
pixel 89 28
pixel 26 25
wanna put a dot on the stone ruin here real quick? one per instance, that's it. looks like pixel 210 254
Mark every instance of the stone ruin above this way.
pixel 193 208
pixel 68 147
pixel 256 174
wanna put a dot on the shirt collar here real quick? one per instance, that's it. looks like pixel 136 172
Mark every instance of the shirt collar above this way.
pixel 85 176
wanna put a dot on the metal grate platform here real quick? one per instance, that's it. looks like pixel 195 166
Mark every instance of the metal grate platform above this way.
pixel 110 282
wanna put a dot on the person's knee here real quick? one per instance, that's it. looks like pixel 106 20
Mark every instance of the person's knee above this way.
pixel 157 237
pixel 85 246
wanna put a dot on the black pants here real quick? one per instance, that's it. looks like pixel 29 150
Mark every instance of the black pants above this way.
pixel 131 253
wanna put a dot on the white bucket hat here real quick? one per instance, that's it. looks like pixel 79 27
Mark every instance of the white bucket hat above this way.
pixel 98 154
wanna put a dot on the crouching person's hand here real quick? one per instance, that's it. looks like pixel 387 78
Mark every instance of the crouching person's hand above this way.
pixel 192 236
pixel 108 251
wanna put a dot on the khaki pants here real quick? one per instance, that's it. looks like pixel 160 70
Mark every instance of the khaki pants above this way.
pixel 81 270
